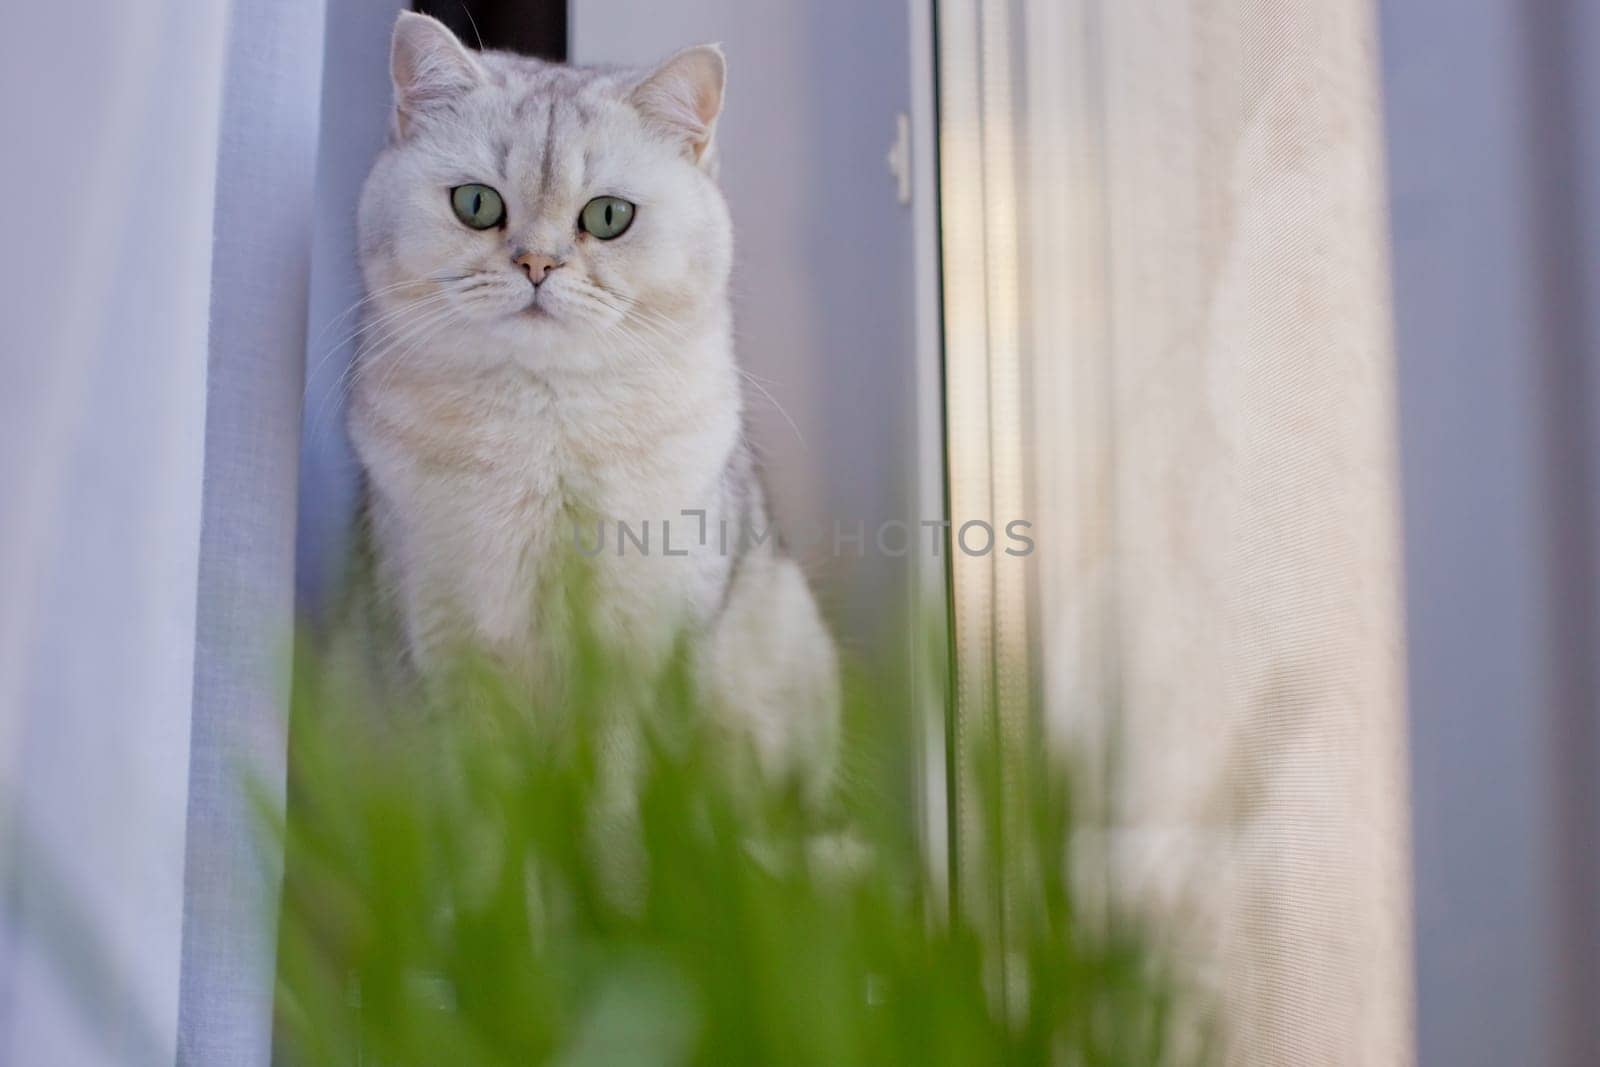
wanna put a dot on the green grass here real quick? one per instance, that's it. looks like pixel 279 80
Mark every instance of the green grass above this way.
pixel 612 878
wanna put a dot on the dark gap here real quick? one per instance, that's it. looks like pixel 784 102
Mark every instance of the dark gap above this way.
pixel 1554 155
pixel 532 27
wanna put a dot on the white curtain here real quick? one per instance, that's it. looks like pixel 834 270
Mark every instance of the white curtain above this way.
pixel 160 163
pixel 1212 385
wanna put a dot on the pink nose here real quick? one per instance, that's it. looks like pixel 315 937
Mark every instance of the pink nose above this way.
pixel 536 265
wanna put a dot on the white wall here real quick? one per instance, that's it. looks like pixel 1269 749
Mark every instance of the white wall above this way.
pixel 355 123
pixel 1494 175
pixel 823 273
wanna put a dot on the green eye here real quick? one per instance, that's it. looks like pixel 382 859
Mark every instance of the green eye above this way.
pixel 606 217
pixel 478 206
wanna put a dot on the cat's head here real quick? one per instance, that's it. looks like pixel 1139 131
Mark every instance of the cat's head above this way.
pixel 535 208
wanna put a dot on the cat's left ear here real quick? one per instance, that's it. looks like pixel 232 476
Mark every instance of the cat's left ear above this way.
pixel 683 96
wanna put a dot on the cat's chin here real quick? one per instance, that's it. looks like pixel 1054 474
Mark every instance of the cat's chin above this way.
pixel 546 325
pixel 550 322
pixel 540 327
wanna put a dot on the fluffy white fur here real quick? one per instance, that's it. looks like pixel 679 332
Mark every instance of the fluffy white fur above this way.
pixel 493 417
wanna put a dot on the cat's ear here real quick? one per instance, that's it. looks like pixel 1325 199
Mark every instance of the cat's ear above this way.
pixel 430 67
pixel 683 96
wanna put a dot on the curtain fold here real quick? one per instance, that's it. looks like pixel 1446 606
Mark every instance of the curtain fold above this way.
pixel 261 257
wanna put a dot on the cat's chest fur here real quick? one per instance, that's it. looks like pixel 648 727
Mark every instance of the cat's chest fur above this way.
pixel 485 493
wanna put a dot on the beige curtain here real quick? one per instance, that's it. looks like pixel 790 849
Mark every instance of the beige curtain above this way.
pixel 1200 289
pixel 1214 457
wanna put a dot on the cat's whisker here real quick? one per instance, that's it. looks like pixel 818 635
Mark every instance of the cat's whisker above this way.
pixel 375 294
pixel 386 325
pixel 425 304
pixel 431 326
pixel 380 351
pixel 632 308
pixel 424 336
pixel 753 380
pixel 668 334
pixel 394 314
pixel 379 321
pixel 367 298
pixel 649 349
pixel 395 328
pixel 668 331
pixel 449 286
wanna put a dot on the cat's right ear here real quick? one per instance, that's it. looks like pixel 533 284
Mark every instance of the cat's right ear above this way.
pixel 430 67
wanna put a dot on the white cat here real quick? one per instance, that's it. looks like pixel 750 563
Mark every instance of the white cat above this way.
pixel 549 347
